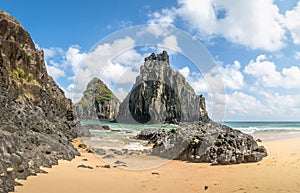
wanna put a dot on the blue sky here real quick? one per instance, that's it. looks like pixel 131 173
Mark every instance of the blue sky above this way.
pixel 256 45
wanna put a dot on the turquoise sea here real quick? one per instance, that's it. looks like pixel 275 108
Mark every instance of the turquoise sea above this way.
pixel 120 136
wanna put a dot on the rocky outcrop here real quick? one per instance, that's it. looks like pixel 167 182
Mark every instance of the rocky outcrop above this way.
pixel 204 142
pixel 98 102
pixel 36 119
pixel 161 95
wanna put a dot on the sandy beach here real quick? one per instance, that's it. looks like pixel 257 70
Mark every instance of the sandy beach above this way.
pixel 279 172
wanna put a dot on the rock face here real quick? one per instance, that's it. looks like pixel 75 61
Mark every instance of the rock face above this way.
pixel 36 119
pixel 204 142
pixel 98 102
pixel 161 95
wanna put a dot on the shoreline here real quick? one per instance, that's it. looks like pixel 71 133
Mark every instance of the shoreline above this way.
pixel 278 172
pixel 271 136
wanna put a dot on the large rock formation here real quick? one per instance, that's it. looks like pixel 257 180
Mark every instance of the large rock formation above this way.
pixel 98 102
pixel 161 95
pixel 36 119
pixel 204 142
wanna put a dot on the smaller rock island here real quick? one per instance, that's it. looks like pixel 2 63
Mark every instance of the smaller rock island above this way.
pixel 97 103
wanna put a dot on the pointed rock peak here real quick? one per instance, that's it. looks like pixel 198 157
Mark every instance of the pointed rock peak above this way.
pixel 98 102
pixel 158 57
pixel 97 87
pixel 95 80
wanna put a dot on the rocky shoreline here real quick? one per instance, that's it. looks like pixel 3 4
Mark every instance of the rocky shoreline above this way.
pixel 204 142
pixel 193 142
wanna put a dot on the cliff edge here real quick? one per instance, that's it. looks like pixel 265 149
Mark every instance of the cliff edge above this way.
pixel 36 119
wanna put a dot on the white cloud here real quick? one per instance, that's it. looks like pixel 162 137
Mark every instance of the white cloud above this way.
pixel 292 22
pixel 297 56
pixel 262 105
pixel 52 52
pixel 48 53
pixel 58 61
pixel 254 24
pixel 185 71
pixel 55 72
pixel 266 74
pixel 165 17
pixel 239 103
pixel 163 36
pixel 284 106
pixel 291 77
pixel 73 57
pixel 129 58
pixel 157 30
pixel 121 93
pixel 170 44
pixel 119 74
pixel 199 15
pixel 231 76
pixel 264 71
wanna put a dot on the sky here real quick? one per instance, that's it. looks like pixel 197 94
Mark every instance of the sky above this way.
pixel 254 45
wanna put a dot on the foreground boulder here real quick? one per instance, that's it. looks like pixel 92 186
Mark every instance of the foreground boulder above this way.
pixel 204 142
pixel 36 119
pixel 161 95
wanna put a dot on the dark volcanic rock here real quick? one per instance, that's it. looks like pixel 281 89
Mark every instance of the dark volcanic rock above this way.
pixel 36 119
pixel 100 151
pixel 98 102
pixel 152 135
pixel 161 95
pixel 84 166
pixel 204 142
pixel 81 130
pixel 94 127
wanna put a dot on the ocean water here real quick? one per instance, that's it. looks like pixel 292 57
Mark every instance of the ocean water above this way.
pixel 121 136
pixel 265 127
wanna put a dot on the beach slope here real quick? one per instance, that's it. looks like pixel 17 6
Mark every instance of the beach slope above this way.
pixel 279 172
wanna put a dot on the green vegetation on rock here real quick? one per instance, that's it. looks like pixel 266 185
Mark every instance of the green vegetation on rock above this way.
pixel 29 77
pixel 19 78
pixel 103 98
pixel 18 74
